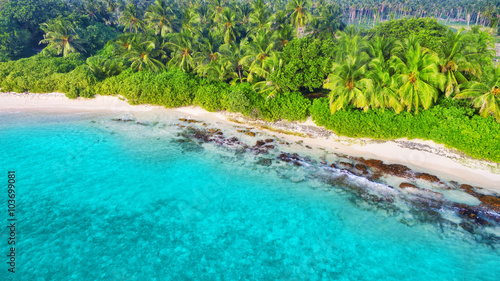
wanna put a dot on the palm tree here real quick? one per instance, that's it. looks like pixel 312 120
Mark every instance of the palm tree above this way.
pixel 299 13
pixel 144 56
pixel 418 77
pixel 270 71
pixel 191 21
pixel 485 94
pixel 160 18
pixel 455 60
pixel 216 7
pixel 260 17
pixel 104 68
pixel 130 19
pixel 328 22
pixel 232 56
pixel 61 36
pixel 349 83
pixel 124 42
pixel 228 23
pixel 208 51
pixel 385 94
pixel 349 42
pixel 284 35
pixel 183 48
pixel 258 51
pixel 217 71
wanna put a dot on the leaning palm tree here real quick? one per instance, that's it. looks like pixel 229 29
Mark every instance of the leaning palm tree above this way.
pixel 485 95
pixel 349 83
pixel 160 18
pixel 131 20
pixel 418 78
pixel 300 14
pixel 61 36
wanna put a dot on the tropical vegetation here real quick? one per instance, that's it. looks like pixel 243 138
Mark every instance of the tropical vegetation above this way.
pixel 410 77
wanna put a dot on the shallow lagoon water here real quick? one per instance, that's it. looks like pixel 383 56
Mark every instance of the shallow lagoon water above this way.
pixel 101 200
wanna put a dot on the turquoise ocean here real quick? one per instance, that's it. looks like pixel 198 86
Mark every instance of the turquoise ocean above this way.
pixel 104 200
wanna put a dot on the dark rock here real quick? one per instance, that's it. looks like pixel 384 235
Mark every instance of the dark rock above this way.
pixel 307 146
pixel 141 123
pixel 252 134
pixel 322 163
pixel 333 166
pixel 349 165
pixel 397 170
pixel 491 201
pixel 360 167
pixel 260 143
pixel 375 176
pixel 269 146
pixel 269 140
pixel 297 163
pixel 264 162
pixel 392 169
pixel 406 185
pixel 183 119
pixel 374 163
pixel 427 177
pixel 467 227
pixel 284 157
pixel 469 189
pixel 481 222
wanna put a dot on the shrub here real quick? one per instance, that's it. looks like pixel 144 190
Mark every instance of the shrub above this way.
pixel 289 106
pixel 446 123
pixel 171 88
pixel 210 95
pixel 38 74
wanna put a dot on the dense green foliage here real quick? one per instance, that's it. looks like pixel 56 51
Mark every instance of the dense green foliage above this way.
pixel 176 88
pixel 14 41
pixel 401 78
pixel 38 74
pixel 428 32
pixel 307 62
pixel 455 126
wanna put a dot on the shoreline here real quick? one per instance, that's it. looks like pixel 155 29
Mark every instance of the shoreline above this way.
pixel 419 155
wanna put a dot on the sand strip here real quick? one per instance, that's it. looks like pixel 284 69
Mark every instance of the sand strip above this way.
pixel 419 155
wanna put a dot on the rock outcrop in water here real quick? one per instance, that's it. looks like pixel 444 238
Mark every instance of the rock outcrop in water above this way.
pixel 365 180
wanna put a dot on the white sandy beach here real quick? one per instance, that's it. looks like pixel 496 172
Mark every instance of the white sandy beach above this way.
pixel 419 155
